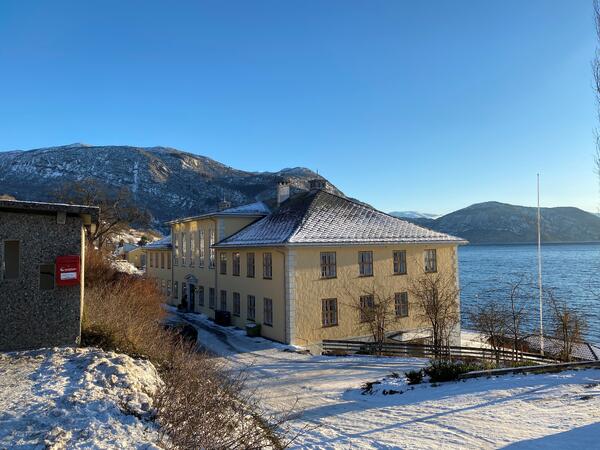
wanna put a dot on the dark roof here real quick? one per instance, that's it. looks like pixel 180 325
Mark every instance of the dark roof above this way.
pixel 41 207
pixel 320 217
pixel 251 209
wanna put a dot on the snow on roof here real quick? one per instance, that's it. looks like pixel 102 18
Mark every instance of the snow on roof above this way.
pixel 579 350
pixel 161 243
pixel 320 217
pixel 28 206
pixel 250 209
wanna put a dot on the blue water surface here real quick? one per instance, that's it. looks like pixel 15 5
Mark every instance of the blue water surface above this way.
pixel 572 271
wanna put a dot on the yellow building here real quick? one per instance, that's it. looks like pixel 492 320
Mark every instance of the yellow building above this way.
pixel 158 257
pixel 137 257
pixel 300 267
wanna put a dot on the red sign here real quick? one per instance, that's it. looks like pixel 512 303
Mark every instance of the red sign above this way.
pixel 68 270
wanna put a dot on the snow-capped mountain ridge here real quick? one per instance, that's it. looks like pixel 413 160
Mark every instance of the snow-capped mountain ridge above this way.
pixel 168 182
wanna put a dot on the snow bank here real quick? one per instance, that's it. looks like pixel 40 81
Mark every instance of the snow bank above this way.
pixel 126 267
pixel 76 398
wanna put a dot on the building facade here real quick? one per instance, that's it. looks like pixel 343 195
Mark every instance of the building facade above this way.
pixel 42 255
pixel 302 267
pixel 158 258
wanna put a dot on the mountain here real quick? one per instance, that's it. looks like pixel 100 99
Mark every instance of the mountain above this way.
pixel 167 182
pixel 413 215
pixel 494 222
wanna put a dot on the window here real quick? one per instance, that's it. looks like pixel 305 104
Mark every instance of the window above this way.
pixel 192 249
pixel 330 313
pixel 236 304
pixel 430 260
pixel 268 318
pixel 12 258
pixel 401 304
pixel 151 257
pixel 250 265
pixel 365 264
pixel 201 248
pixel 211 298
pixel 175 289
pixel 223 263
pixel 251 308
pixel 267 266
pixel 46 277
pixel 235 260
pixel 328 267
pixel 175 250
pixel 169 288
pixel 162 260
pixel 211 251
pixel 200 295
pixel 400 262
pixel 168 261
pixel 183 293
pixel 367 304
pixel 183 249
pixel 223 300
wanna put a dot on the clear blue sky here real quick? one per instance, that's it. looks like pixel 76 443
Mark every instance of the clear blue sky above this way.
pixel 406 105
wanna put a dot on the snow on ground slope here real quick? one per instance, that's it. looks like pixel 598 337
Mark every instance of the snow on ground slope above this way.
pixel 76 398
pixel 126 267
pixel 525 411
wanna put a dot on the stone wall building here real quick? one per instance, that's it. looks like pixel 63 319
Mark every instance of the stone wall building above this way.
pixel 41 273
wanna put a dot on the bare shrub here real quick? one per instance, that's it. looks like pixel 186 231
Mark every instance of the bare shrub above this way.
pixel 437 297
pixel 375 308
pixel 568 326
pixel 201 404
pixel 491 321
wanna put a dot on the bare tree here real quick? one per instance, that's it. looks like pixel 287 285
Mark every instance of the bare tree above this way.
pixel 375 307
pixel 491 321
pixel 118 210
pixel 436 296
pixel 517 313
pixel 568 326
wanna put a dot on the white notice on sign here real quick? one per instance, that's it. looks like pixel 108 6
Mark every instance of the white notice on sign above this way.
pixel 68 275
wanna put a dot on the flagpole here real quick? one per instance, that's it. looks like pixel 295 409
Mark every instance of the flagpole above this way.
pixel 539 257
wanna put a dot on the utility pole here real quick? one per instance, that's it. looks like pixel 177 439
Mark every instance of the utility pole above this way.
pixel 539 257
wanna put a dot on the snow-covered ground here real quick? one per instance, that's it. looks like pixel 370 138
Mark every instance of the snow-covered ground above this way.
pixel 76 398
pixel 525 411
pixel 126 267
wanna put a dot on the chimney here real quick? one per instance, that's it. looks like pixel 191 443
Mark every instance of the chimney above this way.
pixel 316 184
pixel 224 204
pixel 283 192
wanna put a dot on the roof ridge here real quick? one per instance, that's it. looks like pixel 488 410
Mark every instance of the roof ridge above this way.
pixel 356 202
pixel 305 216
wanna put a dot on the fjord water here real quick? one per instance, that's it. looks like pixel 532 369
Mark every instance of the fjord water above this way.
pixel 571 270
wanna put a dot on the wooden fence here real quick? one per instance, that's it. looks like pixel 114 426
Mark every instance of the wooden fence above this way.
pixel 332 347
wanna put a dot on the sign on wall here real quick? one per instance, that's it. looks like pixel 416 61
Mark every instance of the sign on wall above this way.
pixel 68 270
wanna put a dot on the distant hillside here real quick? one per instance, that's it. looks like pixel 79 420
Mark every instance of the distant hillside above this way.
pixel 413 215
pixel 167 182
pixel 494 222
